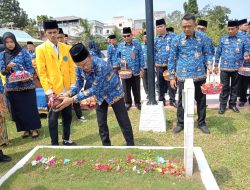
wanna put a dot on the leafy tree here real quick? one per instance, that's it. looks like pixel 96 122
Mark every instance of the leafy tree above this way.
pixel 118 34
pixel 174 20
pixel 191 7
pixel 32 29
pixel 85 35
pixel 11 13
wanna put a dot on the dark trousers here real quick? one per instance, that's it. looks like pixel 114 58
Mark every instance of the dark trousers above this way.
pixel 201 104
pixel 145 80
pixel 164 85
pixel 122 118
pixel 78 110
pixel 244 82
pixel 134 84
pixel 228 89
pixel 53 124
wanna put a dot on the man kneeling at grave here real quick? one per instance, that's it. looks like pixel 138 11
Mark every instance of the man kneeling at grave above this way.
pixel 107 90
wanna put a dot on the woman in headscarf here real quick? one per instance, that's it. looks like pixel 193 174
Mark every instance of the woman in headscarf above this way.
pixel 94 49
pixel 22 95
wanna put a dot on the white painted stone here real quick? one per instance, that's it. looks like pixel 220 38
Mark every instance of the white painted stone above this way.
pixel 188 105
pixel 153 118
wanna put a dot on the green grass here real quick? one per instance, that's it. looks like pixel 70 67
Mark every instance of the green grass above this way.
pixel 86 177
pixel 226 148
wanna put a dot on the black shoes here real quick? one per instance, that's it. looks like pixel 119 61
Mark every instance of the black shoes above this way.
pixel 138 106
pixel 241 104
pixel 234 109
pixel 177 129
pixel 221 110
pixel 4 158
pixel 204 129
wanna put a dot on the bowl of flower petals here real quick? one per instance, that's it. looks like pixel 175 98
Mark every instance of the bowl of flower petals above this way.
pixel 211 88
pixel 125 73
pixel 245 71
pixel 54 102
pixel 89 103
pixel 19 76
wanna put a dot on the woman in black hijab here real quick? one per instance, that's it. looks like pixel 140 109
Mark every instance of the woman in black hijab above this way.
pixel 22 95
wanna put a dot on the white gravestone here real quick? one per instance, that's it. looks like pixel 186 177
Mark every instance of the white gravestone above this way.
pixel 188 105
pixel 152 118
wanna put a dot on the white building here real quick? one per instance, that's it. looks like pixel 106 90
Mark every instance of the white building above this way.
pixel 70 25
pixel 119 22
pixel 97 27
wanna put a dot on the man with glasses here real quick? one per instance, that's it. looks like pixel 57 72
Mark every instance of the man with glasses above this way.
pixel 56 70
pixel 130 55
pixel 188 52
pixel 162 51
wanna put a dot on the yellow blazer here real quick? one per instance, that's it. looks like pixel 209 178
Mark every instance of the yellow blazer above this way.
pixel 56 74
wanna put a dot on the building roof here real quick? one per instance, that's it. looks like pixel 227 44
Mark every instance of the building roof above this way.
pixel 21 36
pixel 67 18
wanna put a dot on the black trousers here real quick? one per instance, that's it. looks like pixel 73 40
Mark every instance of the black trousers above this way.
pixel 134 84
pixel 145 80
pixel 122 118
pixel 244 83
pixel 66 123
pixel 201 104
pixel 164 86
pixel 228 89
pixel 78 110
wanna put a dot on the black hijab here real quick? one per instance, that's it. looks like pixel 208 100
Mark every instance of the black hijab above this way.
pixel 9 54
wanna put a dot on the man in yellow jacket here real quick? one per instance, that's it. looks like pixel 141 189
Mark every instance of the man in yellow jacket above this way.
pixel 56 71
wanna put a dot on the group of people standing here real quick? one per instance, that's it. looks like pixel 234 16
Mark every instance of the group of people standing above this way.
pixel 187 55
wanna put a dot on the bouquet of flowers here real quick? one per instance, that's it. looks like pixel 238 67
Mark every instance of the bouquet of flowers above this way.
pixel 89 103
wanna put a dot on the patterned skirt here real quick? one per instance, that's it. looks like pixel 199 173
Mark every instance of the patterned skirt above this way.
pixel 3 129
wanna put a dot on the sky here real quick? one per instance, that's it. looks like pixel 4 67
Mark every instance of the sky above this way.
pixel 105 10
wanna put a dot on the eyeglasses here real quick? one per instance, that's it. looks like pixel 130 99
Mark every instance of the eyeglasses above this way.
pixel 126 36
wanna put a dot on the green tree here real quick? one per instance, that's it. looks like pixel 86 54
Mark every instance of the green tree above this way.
pixel 10 12
pixel 32 29
pixel 116 31
pixel 174 20
pixel 85 35
pixel 191 7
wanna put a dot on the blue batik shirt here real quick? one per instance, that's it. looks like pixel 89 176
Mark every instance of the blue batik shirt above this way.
pixel 188 56
pixel 132 54
pixel 247 49
pixel 105 83
pixel 21 60
pixel 32 54
pixel 111 55
pixel 230 52
pixel 162 46
pixel 1 86
pixel 145 54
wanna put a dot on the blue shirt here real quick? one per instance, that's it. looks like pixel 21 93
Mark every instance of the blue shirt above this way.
pixel 1 86
pixel 111 55
pixel 230 52
pixel 247 49
pixel 132 54
pixel 162 46
pixel 145 54
pixel 188 56
pixel 32 54
pixel 105 83
pixel 24 60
